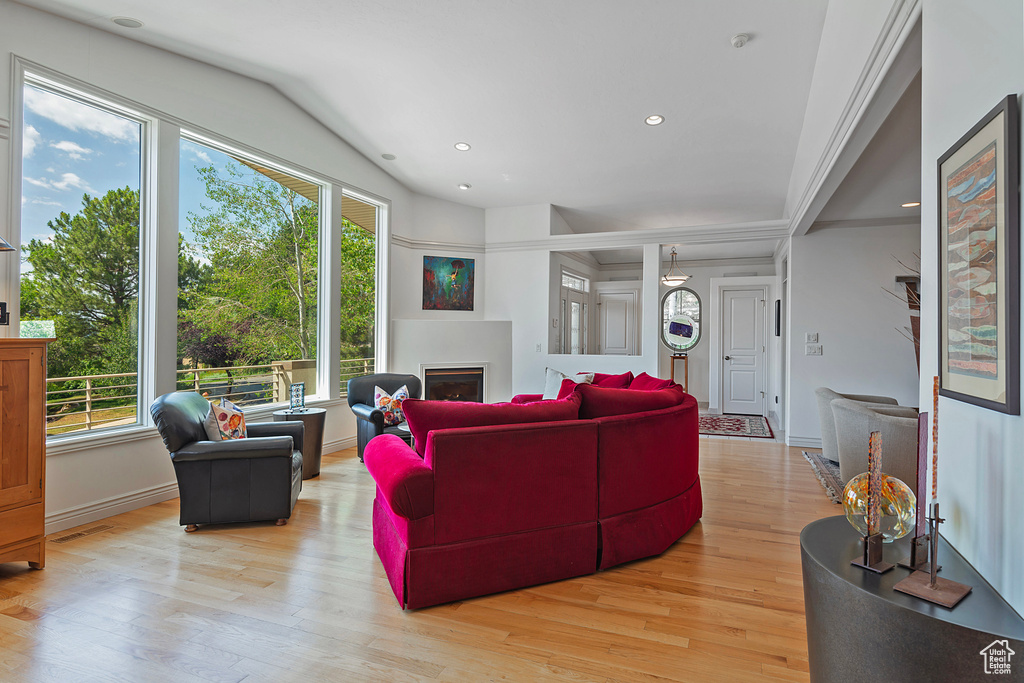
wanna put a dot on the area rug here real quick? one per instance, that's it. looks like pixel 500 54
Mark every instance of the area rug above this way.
pixel 827 473
pixel 736 425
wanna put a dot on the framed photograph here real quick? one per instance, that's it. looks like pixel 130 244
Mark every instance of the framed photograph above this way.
pixel 448 283
pixel 297 397
pixel 979 264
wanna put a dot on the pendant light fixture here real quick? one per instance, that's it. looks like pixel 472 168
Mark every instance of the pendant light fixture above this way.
pixel 675 276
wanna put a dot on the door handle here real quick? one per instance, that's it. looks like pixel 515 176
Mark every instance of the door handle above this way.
pixel 728 357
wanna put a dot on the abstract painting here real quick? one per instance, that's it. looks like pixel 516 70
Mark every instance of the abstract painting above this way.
pixel 448 283
pixel 979 264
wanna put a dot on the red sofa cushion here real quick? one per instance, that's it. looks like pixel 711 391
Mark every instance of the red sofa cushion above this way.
pixel 613 381
pixel 602 402
pixel 425 416
pixel 644 382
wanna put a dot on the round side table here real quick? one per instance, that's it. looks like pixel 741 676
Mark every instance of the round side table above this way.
pixel 312 436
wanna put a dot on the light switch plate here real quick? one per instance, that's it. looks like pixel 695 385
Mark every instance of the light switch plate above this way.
pixel 811 338
pixel 812 350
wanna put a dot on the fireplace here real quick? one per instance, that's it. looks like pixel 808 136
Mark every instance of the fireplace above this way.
pixel 453 384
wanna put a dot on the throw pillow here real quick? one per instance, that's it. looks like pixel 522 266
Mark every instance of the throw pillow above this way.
pixel 210 425
pixel 553 381
pixel 604 402
pixel 644 382
pixel 391 404
pixel 613 381
pixel 230 420
pixel 426 416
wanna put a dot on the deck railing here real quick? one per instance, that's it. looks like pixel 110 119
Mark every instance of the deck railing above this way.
pixel 89 402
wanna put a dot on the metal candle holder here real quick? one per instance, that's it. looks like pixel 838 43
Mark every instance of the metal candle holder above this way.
pixel 872 557
pixel 927 585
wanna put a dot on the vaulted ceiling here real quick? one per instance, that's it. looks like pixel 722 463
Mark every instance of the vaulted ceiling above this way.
pixel 551 95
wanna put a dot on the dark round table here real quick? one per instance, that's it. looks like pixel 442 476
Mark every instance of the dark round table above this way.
pixel 861 630
pixel 312 436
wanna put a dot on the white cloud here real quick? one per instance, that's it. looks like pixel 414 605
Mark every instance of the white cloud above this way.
pixel 73 149
pixel 197 151
pixel 76 116
pixel 68 181
pixel 29 141
pixel 203 156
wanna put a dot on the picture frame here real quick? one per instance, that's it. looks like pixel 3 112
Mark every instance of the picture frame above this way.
pixel 979 263
pixel 297 397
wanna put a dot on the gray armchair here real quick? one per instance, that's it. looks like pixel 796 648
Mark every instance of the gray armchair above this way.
pixel 829 445
pixel 240 480
pixel 898 427
pixel 369 420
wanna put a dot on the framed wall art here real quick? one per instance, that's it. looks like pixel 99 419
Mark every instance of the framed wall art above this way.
pixel 448 283
pixel 979 264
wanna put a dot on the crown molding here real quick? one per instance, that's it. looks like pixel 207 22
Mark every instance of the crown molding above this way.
pixel 891 221
pixel 430 245
pixel 692 235
pixel 897 28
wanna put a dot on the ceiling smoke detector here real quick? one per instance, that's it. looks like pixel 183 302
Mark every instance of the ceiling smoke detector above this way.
pixel 739 40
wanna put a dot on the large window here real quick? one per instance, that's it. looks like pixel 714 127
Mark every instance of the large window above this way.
pixel 358 287
pixel 80 217
pixel 247 277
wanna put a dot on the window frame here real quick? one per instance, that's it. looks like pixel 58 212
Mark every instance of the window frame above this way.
pixel 158 280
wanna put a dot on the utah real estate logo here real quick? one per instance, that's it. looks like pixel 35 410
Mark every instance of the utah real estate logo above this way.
pixel 997 657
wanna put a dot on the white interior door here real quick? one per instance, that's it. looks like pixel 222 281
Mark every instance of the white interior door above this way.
pixel 574 321
pixel 617 323
pixel 743 348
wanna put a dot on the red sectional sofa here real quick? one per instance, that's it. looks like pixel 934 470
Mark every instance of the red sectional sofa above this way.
pixel 509 495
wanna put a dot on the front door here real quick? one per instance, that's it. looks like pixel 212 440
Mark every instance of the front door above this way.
pixel 743 347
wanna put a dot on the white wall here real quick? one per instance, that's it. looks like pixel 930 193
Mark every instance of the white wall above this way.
pixel 837 280
pixel 90 479
pixel 977 52
pixel 425 342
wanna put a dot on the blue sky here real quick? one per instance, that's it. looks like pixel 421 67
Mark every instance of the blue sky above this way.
pixel 71 149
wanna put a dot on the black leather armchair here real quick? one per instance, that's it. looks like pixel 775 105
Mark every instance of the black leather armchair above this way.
pixel 369 420
pixel 240 480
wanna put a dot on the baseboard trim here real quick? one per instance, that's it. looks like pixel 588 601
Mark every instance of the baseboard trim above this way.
pixel 803 441
pixel 108 507
pixel 339 444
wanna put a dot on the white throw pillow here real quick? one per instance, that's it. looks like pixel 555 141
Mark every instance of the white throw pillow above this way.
pixel 211 426
pixel 553 381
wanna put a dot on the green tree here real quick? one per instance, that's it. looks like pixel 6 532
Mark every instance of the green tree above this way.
pixel 261 243
pixel 358 290
pixel 86 278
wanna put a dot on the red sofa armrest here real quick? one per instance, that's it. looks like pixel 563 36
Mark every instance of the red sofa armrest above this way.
pixel 405 481
pixel 527 398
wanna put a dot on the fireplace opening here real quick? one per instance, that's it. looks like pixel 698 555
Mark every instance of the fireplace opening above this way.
pixel 453 384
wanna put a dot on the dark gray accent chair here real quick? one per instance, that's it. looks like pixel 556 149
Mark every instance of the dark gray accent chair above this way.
pixel 369 420
pixel 240 480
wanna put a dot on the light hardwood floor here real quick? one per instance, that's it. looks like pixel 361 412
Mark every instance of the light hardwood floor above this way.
pixel 143 601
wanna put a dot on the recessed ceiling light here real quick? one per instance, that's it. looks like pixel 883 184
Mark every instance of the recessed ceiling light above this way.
pixel 462 146
pixel 127 22
pixel 388 157
pixel 654 120
pixel 910 205
pixel 464 186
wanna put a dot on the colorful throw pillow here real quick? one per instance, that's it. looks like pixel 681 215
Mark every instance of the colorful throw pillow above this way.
pixel 230 420
pixel 604 402
pixel 391 404
pixel 426 416
pixel 553 381
pixel 644 382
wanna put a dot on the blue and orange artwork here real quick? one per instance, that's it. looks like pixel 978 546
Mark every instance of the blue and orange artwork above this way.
pixel 972 323
pixel 448 283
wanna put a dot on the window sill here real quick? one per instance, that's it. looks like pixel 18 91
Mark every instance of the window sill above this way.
pixel 84 441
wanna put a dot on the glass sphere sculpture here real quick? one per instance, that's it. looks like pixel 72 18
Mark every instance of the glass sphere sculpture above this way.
pixel 898 506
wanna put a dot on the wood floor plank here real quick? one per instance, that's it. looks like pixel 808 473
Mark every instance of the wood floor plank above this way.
pixel 310 601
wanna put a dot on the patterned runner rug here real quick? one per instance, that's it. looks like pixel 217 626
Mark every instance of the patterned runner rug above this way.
pixel 827 473
pixel 736 425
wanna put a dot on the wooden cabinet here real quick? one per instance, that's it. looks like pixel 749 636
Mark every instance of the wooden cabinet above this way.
pixel 22 450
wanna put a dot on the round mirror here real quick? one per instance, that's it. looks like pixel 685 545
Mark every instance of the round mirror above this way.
pixel 680 319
